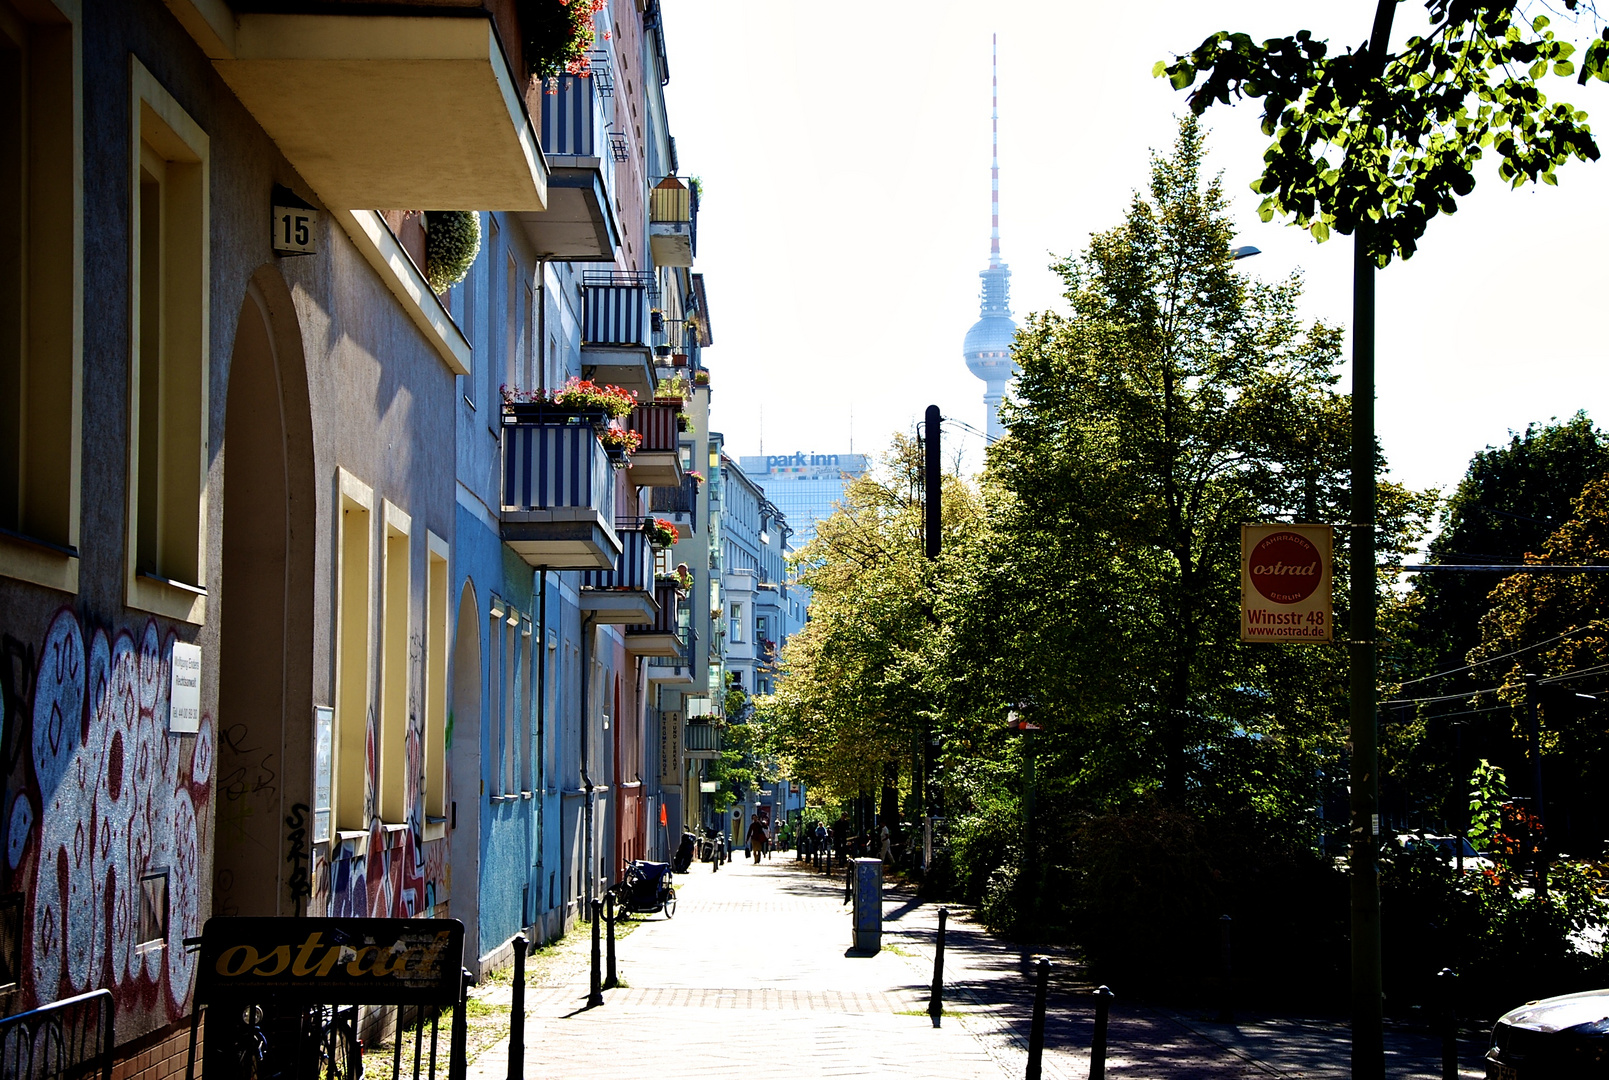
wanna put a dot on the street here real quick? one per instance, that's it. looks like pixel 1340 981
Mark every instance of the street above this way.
pixel 754 970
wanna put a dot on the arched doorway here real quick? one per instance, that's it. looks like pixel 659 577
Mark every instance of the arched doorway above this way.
pixel 464 754
pixel 264 721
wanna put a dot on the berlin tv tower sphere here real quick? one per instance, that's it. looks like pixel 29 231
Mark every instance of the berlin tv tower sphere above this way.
pixel 987 349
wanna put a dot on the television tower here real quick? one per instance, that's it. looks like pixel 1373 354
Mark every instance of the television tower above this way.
pixel 987 348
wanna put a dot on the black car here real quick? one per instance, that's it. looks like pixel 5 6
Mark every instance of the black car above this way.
pixel 1557 1038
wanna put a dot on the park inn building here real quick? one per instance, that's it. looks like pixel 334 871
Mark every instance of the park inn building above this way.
pixel 271 647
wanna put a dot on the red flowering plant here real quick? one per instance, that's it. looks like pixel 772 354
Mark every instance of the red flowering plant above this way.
pixel 620 439
pixel 661 533
pixel 695 476
pixel 559 35
pixel 577 395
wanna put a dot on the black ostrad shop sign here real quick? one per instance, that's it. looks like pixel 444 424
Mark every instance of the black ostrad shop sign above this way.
pixel 331 961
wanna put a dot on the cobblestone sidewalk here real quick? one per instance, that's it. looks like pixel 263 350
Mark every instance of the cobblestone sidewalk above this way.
pixel 755 969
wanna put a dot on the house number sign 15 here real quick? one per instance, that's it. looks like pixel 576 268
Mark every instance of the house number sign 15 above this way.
pixel 293 230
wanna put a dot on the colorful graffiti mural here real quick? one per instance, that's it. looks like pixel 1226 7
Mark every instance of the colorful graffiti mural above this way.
pixel 102 830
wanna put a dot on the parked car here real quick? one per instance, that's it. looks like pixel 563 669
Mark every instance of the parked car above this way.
pixel 1556 1038
pixel 1448 847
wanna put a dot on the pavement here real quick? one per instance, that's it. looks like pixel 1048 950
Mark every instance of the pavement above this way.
pixel 755 970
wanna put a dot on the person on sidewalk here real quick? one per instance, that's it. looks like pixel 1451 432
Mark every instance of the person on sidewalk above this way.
pixel 887 853
pixel 756 839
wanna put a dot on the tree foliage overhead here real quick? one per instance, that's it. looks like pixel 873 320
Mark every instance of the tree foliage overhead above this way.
pixel 1394 137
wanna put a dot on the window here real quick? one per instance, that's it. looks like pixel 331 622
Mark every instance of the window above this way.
pixel 168 357
pixel 435 742
pixel 41 289
pixel 527 704
pixel 469 297
pixel 737 622
pixel 352 654
pixel 153 911
pixel 495 706
pixel 394 622
pixel 512 324
pixel 512 686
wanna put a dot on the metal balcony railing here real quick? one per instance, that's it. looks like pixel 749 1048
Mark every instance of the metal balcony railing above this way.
pixel 657 424
pixel 550 465
pixel 569 119
pixel 702 737
pixel 633 570
pixel 682 500
pixel 665 622
pixel 614 308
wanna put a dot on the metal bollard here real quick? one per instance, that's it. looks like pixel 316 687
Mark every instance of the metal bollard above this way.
pixel 1447 978
pixel 610 980
pixel 935 997
pixel 516 1014
pixel 1097 1048
pixel 1226 1008
pixel 458 1059
pixel 595 995
pixel 1036 1031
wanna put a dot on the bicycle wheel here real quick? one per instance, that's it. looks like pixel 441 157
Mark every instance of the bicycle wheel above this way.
pixel 670 905
pixel 339 1056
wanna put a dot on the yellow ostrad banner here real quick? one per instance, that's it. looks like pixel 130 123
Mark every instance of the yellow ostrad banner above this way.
pixel 1286 573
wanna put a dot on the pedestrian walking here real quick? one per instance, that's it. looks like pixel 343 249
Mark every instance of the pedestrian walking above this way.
pixel 887 853
pixel 756 839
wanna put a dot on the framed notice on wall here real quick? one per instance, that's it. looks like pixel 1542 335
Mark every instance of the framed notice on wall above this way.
pixel 1286 582
pixel 670 746
pixel 323 770
pixel 184 695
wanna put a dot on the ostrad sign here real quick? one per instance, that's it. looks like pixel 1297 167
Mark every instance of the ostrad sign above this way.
pixel 1285 582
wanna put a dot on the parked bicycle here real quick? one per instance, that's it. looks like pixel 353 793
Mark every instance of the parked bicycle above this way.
pixel 320 1043
pixel 645 889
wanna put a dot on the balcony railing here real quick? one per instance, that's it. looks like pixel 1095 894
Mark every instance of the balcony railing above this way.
pixel 702 739
pixel 633 570
pixel 657 463
pixel 614 309
pixel 660 639
pixel 558 490
pixel 579 224
pixel 673 223
pixel 681 503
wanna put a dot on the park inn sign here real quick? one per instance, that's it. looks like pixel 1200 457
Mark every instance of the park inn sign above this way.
pixel 1286 574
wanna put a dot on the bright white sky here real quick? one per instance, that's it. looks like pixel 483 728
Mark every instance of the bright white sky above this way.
pixel 844 150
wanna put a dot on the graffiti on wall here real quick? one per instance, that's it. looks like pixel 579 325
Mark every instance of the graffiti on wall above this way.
pixel 391 872
pixel 101 819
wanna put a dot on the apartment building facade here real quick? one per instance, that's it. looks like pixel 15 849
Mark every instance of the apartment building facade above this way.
pixel 271 649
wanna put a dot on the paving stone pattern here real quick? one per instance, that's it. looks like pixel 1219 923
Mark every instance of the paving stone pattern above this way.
pixel 771 942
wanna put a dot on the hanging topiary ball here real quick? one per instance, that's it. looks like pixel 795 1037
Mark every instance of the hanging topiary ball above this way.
pixel 452 240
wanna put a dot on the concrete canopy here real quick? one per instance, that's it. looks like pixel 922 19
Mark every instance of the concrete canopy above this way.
pixel 391 111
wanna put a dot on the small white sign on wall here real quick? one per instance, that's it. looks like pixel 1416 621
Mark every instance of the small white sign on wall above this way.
pixel 323 762
pixel 184 695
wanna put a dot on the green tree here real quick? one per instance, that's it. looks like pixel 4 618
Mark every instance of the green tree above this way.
pixel 1401 148
pixel 850 696
pixel 1553 626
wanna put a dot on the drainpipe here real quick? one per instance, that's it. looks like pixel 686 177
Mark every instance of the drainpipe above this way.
pixel 541 326
pixel 586 753
pixel 539 773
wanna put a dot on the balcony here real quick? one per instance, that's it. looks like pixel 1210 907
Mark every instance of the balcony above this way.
pixel 678 504
pixel 615 343
pixel 673 223
pixel 676 672
pixel 558 491
pixel 657 462
pixel 702 740
pixel 623 594
pixel 579 225
pixel 410 108
pixel 660 638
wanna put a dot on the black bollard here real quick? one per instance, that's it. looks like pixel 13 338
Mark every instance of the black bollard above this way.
pixel 935 997
pixel 1226 1007
pixel 595 995
pixel 1036 1032
pixel 516 1013
pixel 610 980
pixel 1448 980
pixel 458 1058
pixel 1097 1048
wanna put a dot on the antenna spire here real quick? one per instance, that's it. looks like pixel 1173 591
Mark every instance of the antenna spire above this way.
pixel 994 161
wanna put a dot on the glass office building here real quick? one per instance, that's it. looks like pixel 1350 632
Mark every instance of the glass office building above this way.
pixel 805 487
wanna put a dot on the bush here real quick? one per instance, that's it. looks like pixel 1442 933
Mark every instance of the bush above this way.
pixel 452 240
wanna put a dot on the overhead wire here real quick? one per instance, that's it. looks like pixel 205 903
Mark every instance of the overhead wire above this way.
pixel 1493 659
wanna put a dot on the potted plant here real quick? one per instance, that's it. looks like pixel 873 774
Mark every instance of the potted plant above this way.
pixel 656 320
pixel 452 240
pixel 695 476
pixel 661 352
pixel 621 442
pixel 701 377
pixel 672 391
pixel 577 401
pixel 558 37
pixel 661 533
pixel 678 360
pixel 684 423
